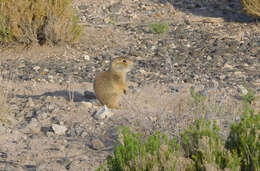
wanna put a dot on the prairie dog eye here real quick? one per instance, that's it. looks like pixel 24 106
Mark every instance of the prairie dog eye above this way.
pixel 124 61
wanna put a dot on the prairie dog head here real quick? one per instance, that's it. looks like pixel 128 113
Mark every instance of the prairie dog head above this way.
pixel 121 64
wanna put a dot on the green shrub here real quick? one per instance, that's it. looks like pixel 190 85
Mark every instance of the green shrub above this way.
pixel 202 143
pixel 244 140
pixel 248 99
pixel 200 149
pixel 155 153
pixel 198 98
pixel 38 21
pixel 252 7
pixel 199 102
pixel 159 28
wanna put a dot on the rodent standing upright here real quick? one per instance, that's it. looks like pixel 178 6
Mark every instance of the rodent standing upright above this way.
pixel 109 85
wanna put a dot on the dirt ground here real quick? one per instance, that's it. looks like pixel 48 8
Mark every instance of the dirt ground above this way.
pixel 46 95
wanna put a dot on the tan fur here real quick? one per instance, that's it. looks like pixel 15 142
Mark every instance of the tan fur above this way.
pixel 109 85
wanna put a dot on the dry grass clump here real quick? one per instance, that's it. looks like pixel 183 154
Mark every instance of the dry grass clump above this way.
pixel 38 21
pixel 252 7
pixel 4 107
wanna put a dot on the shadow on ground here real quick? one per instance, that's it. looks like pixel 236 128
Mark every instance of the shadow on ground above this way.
pixel 77 96
pixel 229 10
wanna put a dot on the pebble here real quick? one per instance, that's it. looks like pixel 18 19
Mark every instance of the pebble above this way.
pixel 51 107
pixel 83 18
pixel 59 129
pixel 237 118
pixel 21 66
pixel 36 68
pixel 86 57
pixel 103 113
pixel 30 102
pixel 227 66
pixel 97 144
pixel 222 77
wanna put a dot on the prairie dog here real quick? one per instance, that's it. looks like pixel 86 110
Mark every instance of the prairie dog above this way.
pixel 109 85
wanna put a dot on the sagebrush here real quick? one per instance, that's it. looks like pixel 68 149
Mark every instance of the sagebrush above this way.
pixel 244 139
pixel 154 153
pixel 203 144
pixel 159 27
pixel 38 21
pixel 200 148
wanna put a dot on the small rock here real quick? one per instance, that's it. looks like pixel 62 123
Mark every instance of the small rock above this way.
pixel 227 66
pixel 50 77
pixel 76 130
pixel 36 68
pixel 222 77
pixel 83 18
pixel 209 58
pixel 30 102
pixel 21 66
pixel 51 107
pixel 103 113
pixel 59 129
pixel 153 119
pixel 97 144
pixel 243 89
pixel 237 118
pixel 86 57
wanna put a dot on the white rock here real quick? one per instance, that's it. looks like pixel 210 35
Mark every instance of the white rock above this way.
pixel 83 18
pixel 86 57
pixel 103 113
pixel 209 58
pixel 222 77
pixel 237 118
pixel 36 68
pixel 227 66
pixel 30 102
pixel 59 129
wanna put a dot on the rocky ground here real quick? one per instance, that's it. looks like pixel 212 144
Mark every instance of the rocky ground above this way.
pixel 48 100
